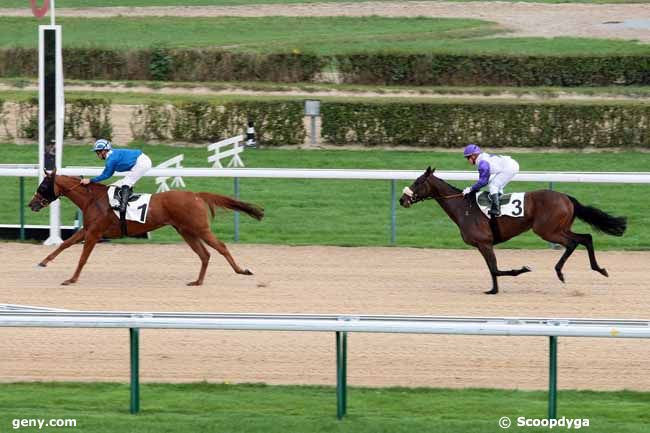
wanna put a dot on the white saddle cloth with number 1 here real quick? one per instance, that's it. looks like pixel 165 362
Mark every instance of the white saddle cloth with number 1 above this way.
pixel 135 211
pixel 512 205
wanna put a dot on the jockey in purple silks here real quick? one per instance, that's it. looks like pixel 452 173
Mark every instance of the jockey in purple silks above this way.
pixel 502 168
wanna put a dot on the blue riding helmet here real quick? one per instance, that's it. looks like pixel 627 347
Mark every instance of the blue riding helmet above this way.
pixel 471 149
pixel 101 144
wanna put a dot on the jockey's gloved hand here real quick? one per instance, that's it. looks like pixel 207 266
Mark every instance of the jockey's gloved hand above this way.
pixel 467 191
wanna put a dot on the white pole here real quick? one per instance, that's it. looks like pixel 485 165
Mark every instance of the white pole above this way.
pixel 55 207
pixel 41 103
pixel 52 17
pixel 60 96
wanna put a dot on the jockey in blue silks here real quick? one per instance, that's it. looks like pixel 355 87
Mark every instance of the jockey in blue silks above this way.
pixel 132 161
pixel 502 169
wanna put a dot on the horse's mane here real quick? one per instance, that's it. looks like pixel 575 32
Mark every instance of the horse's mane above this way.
pixel 448 184
pixel 91 186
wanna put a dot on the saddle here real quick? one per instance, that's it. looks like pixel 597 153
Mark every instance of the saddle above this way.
pixel 116 198
pixel 512 205
pixel 483 199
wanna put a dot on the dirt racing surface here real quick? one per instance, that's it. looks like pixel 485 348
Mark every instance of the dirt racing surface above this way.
pixel 325 280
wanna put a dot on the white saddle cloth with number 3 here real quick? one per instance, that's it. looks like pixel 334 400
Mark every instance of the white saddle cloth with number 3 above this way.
pixel 512 205
pixel 136 210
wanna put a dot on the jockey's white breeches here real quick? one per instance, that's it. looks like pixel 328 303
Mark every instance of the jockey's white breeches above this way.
pixel 142 165
pixel 501 179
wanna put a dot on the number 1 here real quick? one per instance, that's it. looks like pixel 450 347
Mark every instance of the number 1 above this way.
pixel 144 210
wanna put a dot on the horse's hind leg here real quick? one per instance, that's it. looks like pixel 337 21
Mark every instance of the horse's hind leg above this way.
pixel 74 239
pixel 587 241
pixel 197 246
pixel 570 245
pixel 215 243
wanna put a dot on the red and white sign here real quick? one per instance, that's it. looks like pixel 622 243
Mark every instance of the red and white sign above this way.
pixel 40 12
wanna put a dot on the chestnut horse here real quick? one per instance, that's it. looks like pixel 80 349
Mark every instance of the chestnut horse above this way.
pixel 185 211
pixel 549 213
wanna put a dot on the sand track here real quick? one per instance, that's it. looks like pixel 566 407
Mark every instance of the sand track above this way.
pixel 325 280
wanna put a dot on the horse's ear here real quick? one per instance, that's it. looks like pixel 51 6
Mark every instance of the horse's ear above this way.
pixel 433 169
pixel 428 171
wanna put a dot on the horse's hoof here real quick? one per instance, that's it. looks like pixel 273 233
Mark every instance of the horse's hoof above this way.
pixel 603 271
pixel 526 269
pixel 194 283
pixel 247 272
pixel 67 282
pixel 560 277
pixel 491 292
pixel 41 265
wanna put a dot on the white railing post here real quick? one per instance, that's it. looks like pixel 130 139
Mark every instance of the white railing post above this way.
pixel 161 181
pixel 220 152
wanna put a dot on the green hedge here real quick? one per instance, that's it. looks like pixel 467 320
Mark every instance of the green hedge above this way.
pixel 84 118
pixel 492 124
pixel 276 122
pixel 3 117
pixel 159 63
pixel 493 70
pixel 369 123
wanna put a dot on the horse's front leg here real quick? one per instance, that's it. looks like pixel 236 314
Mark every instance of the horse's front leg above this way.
pixel 91 240
pixel 490 258
pixel 488 254
pixel 74 239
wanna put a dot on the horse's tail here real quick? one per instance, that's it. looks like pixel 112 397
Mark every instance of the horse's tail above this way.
pixel 599 219
pixel 215 200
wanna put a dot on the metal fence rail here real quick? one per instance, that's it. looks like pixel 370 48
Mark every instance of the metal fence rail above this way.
pixel 344 174
pixel 341 325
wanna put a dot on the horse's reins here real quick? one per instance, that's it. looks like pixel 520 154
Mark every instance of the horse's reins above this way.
pixel 44 201
pixel 64 191
pixel 414 196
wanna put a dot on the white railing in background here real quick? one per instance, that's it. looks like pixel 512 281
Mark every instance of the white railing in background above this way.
pixel 177 182
pixel 236 145
pixel 350 174
pixel 339 324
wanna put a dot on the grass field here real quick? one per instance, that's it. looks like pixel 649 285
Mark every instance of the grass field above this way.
pixel 324 35
pixel 108 3
pixel 103 407
pixel 339 212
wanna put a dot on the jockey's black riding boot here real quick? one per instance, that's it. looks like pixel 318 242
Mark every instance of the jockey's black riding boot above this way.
pixel 125 193
pixel 495 209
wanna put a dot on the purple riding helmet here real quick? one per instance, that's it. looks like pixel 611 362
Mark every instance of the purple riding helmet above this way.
pixel 471 149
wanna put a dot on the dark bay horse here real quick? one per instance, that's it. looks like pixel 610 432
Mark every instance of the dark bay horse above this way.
pixel 549 213
pixel 185 211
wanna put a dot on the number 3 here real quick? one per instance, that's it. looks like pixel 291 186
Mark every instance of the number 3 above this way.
pixel 517 204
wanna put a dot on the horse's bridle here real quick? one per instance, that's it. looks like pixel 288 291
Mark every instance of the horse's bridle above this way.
pixel 44 202
pixel 415 198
